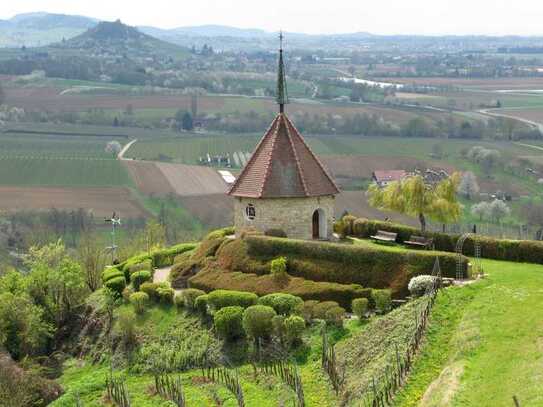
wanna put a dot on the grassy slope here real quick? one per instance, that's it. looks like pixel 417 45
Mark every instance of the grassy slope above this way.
pixel 87 381
pixel 484 343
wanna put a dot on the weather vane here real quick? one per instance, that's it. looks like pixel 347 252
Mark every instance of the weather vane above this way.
pixel 115 221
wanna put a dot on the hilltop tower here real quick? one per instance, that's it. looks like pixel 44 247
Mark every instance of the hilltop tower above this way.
pixel 284 186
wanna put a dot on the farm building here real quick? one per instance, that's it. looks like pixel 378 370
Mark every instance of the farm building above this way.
pixel 284 187
pixel 385 177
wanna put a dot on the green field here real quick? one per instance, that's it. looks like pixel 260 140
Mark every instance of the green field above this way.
pixel 41 160
pixel 188 149
pixel 63 172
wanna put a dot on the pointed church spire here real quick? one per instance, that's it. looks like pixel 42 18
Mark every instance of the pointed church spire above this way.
pixel 282 96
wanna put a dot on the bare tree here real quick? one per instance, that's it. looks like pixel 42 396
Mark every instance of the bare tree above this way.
pixel 92 260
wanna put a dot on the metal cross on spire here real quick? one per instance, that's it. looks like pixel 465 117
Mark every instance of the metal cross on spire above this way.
pixel 282 95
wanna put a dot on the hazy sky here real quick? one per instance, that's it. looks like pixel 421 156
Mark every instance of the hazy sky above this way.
pixel 500 17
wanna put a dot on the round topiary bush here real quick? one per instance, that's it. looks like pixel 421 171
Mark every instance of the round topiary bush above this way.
pixel 111 273
pixel 360 307
pixel 165 295
pixel 139 301
pixel 178 300
pixel 420 285
pixel 201 304
pixel 294 328
pixel 278 269
pixel 383 300
pixel 335 316
pixel 278 327
pixel 140 277
pixel 257 321
pixel 307 310
pixel 228 322
pixel 320 309
pixel 218 299
pixel 150 289
pixel 189 296
pixel 116 284
pixel 284 304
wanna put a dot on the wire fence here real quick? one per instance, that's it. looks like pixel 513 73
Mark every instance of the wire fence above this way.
pixel 519 232
pixel 383 389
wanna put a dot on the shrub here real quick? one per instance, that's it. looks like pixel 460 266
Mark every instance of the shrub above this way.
pixel 140 277
pixel 307 310
pixel 348 223
pixel 139 301
pixel 278 269
pixel 340 229
pixel 360 307
pixel 419 285
pixel 382 300
pixel 111 273
pixel 178 300
pixel 335 316
pixel 151 290
pixel 275 233
pixel 217 234
pixel 189 296
pixel 283 304
pixel 278 324
pixel 165 295
pixel 201 304
pixel 144 265
pixel 116 284
pixel 228 322
pixel 127 292
pixel 320 309
pixel 528 251
pixel 226 298
pixel 257 321
pixel 346 264
pixel 294 328
pixel 165 257
pixel 126 327
pixel 209 279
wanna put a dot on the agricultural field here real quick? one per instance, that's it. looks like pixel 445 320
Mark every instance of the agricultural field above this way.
pixel 98 200
pixel 66 172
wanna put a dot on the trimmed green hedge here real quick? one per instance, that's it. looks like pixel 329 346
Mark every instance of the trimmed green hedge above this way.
pixel 228 298
pixel 210 279
pixel 157 259
pixel 528 251
pixel 348 264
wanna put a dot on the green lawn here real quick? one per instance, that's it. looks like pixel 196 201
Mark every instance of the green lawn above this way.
pixel 484 343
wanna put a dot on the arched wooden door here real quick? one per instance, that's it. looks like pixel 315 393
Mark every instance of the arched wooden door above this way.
pixel 316 226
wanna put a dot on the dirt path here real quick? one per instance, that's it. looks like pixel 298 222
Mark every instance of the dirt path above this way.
pixel 492 113
pixel 121 154
pixel 162 275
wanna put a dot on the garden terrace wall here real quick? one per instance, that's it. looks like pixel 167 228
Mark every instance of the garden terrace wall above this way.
pixel 529 251
pixel 335 263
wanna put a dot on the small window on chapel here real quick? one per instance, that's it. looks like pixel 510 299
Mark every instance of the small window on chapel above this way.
pixel 250 212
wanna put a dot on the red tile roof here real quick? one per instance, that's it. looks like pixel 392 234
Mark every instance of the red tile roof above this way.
pixel 389 175
pixel 283 166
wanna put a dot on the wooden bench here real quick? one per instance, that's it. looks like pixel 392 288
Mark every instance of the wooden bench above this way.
pixel 383 236
pixel 420 241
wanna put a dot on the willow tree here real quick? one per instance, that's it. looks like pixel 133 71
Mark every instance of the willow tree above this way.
pixel 413 197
